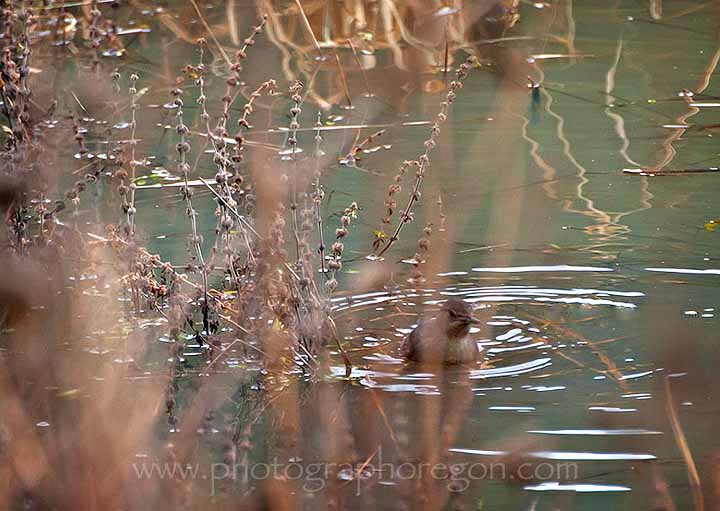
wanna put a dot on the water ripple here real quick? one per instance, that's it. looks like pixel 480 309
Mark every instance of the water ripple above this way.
pixel 595 432
pixel 526 269
pixel 579 488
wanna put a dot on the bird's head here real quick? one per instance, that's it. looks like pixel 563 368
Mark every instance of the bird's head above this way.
pixel 458 316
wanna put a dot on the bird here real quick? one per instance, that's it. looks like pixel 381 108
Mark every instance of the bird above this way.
pixel 444 339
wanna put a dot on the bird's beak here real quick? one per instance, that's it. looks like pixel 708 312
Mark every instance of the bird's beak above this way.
pixel 474 320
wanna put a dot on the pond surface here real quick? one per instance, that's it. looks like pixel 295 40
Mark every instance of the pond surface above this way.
pixel 567 214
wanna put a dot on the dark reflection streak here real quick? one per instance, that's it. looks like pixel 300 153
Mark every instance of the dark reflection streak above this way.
pixel 690 10
pixel 697 162
pixel 693 30
pixel 638 104
pixel 630 104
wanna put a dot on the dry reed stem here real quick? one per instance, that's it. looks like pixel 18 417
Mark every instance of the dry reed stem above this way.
pixel 693 476
pixel 663 499
pixel 359 147
pixel 308 27
pixel 378 404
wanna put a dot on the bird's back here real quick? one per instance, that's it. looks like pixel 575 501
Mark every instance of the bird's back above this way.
pixel 427 343
pixel 417 343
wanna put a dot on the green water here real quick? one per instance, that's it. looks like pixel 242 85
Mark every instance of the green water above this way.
pixel 595 284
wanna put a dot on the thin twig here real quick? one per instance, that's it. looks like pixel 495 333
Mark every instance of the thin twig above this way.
pixel 362 69
pixel 212 35
pixel 232 210
pixel 343 81
pixel 343 353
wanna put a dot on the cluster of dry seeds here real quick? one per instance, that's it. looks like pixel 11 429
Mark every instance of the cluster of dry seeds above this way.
pixel 382 239
pixel 334 263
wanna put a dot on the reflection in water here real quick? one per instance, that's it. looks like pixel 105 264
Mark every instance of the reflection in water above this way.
pixel 693 109
pixel 420 38
pixel 616 117
pixel 608 228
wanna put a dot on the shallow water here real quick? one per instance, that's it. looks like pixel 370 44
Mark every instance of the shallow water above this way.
pixel 592 282
pixel 595 286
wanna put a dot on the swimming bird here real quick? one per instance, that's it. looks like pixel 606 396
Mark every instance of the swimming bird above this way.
pixel 445 338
